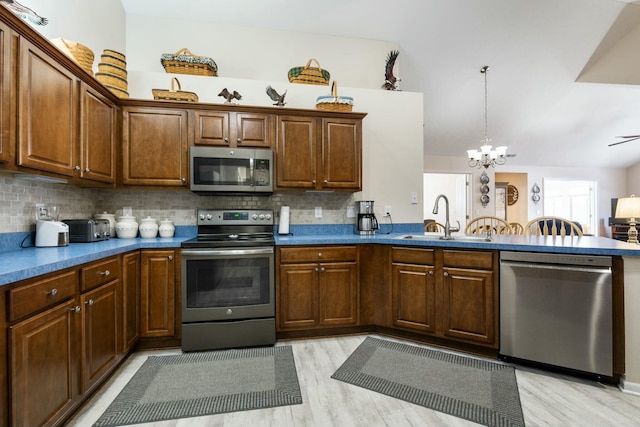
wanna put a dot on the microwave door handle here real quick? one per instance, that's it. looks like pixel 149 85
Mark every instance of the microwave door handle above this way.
pixel 251 175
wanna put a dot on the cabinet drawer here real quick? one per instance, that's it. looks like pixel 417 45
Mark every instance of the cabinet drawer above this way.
pixel 319 254
pixel 99 273
pixel 413 256
pixel 36 296
pixel 468 259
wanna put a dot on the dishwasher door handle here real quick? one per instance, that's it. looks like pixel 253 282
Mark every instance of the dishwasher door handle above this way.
pixel 557 267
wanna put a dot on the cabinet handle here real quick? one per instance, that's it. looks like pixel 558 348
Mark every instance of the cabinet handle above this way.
pixel 183 180
pixel 104 273
pixel 431 273
pixel 322 270
pixel 313 182
pixel 446 274
pixel 170 258
pixel 87 170
pixel 90 302
pixel 319 254
pixel 53 292
pixel 317 269
pixel 325 182
pixel 239 140
pixel 77 168
pixel 226 139
pixel 76 309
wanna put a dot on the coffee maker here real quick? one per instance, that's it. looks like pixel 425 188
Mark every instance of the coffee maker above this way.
pixel 367 223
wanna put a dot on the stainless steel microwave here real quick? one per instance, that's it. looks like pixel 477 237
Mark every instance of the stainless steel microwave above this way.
pixel 216 170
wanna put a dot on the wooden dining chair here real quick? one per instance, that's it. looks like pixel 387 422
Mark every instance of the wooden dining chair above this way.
pixel 516 228
pixel 434 227
pixel 552 226
pixel 481 224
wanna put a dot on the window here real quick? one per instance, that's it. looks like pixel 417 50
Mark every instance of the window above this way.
pixel 571 199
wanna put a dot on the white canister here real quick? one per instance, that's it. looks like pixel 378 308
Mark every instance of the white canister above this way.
pixel 148 228
pixel 112 221
pixel 166 228
pixel 127 227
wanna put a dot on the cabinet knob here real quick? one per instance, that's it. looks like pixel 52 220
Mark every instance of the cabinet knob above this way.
pixel 53 292
pixel 87 170
pixel 325 182
pixel 431 273
pixel 75 309
pixel 446 274
pixel 183 180
pixel 226 139
pixel 319 254
pixel 229 312
pixel 104 273
pixel 317 269
pixel 90 302
pixel 313 182
pixel 322 270
pixel 239 140
pixel 170 258
pixel 77 168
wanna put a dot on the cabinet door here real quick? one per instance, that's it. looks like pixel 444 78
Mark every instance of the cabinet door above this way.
pixel 100 332
pixel 155 147
pixel 468 304
pixel 44 365
pixel 298 296
pixel 47 132
pixel 97 136
pixel 296 152
pixel 414 297
pixel 253 130
pixel 338 287
pixel 212 128
pixel 158 293
pixel 341 154
pixel 7 110
pixel 130 299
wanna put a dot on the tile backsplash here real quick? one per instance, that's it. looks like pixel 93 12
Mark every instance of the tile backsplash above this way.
pixel 18 198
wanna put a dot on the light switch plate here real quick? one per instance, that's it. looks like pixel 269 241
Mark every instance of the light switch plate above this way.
pixel 414 198
pixel 351 212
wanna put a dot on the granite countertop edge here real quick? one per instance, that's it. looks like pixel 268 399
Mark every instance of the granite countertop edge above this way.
pixel 26 263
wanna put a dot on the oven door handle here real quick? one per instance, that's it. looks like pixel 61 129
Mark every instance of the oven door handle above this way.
pixel 227 252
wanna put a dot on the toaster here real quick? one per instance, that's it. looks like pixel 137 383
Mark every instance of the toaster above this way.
pixel 88 230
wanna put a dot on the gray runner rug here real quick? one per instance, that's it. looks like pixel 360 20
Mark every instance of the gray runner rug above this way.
pixel 206 383
pixel 476 390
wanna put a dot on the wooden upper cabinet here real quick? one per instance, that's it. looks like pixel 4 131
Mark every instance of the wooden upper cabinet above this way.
pixel 97 136
pixel 7 108
pixel 155 147
pixel 319 153
pixel 296 153
pixel 231 129
pixel 47 99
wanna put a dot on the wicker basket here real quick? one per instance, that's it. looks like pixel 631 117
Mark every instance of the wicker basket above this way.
pixel 185 62
pixel 334 102
pixel 117 91
pixel 111 80
pixel 112 60
pixel 79 52
pixel 114 70
pixel 174 95
pixel 309 75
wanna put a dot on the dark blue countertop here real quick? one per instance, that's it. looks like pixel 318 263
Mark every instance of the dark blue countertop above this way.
pixel 29 262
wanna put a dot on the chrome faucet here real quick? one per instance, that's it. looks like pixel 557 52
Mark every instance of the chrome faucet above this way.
pixel 447 225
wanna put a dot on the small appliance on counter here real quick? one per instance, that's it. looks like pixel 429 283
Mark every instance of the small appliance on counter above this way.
pixel 367 223
pixel 51 233
pixel 88 230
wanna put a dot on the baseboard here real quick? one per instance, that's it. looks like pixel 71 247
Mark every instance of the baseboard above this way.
pixel 629 387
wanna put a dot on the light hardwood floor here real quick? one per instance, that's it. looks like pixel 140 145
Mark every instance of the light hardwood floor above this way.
pixel 547 399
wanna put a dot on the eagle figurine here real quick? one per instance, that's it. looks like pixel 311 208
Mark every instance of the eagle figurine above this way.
pixel 25 13
pixel 229 96
pixel 275 96
pixel 390 81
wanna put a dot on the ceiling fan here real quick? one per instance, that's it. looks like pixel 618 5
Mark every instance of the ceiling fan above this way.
pixel 627 138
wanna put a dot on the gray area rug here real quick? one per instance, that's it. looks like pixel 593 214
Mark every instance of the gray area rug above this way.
pixel 465 387
pixel 206 383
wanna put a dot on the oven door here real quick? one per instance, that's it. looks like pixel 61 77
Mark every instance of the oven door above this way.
pixel 227 284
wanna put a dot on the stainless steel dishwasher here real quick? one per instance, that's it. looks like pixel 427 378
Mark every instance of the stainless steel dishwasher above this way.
pixel 557 309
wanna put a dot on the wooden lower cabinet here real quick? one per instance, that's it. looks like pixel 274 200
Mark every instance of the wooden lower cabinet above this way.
pixel 44 366
pixel 130 300
pixel 450 294
pixel 317 287
pixel 159 294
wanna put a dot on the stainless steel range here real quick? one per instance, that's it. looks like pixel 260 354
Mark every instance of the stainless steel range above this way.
pixel 228 281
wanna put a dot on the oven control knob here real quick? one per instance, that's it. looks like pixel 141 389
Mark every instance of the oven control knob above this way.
pixel 209 217
pixel 268 216
pixel 202 217
pixel 254 216
pixel 229 311
pixel 261 216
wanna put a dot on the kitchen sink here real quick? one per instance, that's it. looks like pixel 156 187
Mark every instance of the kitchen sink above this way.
pixel 437 236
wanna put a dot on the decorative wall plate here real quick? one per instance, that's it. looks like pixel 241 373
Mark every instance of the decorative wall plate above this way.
pixel 512 194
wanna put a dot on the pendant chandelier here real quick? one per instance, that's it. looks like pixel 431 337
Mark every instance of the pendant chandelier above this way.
pixel 487 156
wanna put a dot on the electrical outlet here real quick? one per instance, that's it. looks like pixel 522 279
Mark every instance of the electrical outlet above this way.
pixel 351 211
pixel 387 211
pixel 41 211
pixel 318 211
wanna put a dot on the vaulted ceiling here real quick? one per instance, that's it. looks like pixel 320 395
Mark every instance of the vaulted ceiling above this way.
pixel 564 77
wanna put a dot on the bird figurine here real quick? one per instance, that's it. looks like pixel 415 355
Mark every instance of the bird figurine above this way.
pixel 25 13
pixel 390 81
pixel 229 96
pixel 275 96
